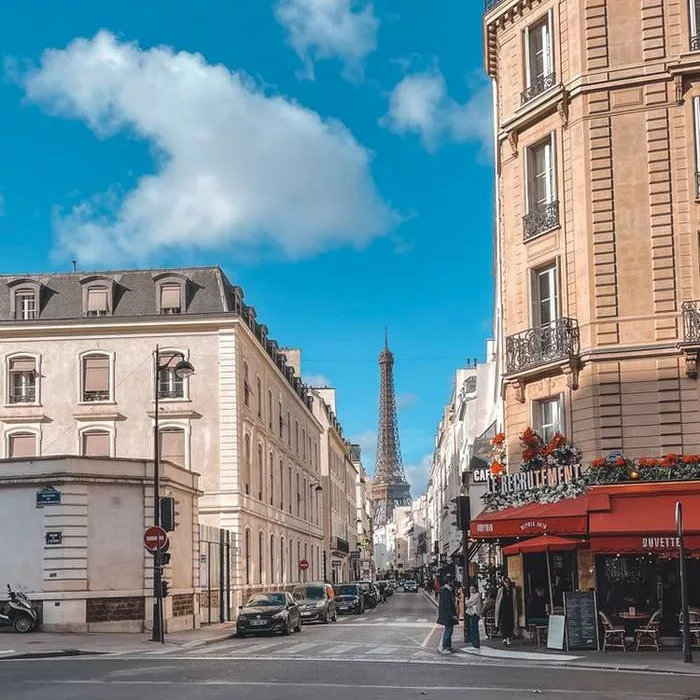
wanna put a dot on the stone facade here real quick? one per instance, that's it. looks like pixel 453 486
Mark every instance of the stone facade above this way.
pixel 597 105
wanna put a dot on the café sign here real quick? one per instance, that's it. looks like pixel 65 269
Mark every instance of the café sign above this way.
pixel 661 542
pixel 526 481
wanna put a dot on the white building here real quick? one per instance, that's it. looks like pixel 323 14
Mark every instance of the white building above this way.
pixel 365 567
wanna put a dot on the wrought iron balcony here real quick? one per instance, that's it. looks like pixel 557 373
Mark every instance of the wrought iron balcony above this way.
pixel 559 340
pixel 538 86
pixel 695 43
pixel 340 545
pixel 542 218
pixel 691 321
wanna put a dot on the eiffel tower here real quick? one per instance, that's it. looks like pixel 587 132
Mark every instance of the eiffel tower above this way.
pixel 389 486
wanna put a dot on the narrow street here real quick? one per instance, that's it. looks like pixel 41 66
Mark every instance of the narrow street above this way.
pixel 387 654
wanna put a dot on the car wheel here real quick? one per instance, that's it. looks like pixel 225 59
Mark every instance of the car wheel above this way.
pixel 23 624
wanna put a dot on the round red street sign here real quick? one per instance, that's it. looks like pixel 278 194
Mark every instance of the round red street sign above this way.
pixel 303 565
pixel 155 538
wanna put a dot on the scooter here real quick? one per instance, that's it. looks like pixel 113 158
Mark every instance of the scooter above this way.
pixel 17 611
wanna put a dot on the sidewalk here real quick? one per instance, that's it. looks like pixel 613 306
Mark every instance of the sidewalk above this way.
pixel 38 645
pixel 667 661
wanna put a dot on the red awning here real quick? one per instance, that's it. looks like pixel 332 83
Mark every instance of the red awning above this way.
pixel 544 543
pixel 636 544
pixel 568 517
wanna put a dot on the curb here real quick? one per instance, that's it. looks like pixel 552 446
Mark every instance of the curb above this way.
pixel 429 597
pixel 56 653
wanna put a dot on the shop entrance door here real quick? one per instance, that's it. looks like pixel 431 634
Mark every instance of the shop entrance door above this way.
pixel 564 575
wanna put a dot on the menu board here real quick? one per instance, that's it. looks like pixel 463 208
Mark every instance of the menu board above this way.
pixel 581 620
pixel 556 632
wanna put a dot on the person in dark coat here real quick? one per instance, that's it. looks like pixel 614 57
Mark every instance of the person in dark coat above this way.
pixel 506 610
pixel 447 614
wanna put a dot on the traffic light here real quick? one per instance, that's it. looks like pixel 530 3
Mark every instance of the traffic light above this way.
pixel 462 512
pixel 168 513
pixel 165 558
pixel 164 588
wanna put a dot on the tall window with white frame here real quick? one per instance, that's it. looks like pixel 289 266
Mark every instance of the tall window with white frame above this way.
pixel 545 295
pixel 694 8
pixel 547 417
pixel 541 189
pixel 271 577
pixel 696 129
pixel 23 380
pixel 97 301
pixel 247 557
pixel 246 385
pixel 170 385
pixel 539 58
pixel 261 558
pixel 21 445
pixel 95 378
pixel 173 446
pixel 25 305
pixel 95 443
pixel 261 473
pixel 283 570
pixel 258 388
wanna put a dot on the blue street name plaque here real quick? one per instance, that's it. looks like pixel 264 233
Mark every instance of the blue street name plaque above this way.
pixel 48 496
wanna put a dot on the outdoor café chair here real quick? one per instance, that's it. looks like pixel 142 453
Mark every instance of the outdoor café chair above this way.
pixel 613 635
pixel 649 636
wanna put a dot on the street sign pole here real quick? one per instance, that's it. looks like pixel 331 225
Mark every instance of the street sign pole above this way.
pixel 157 633
pixel 685 612
pixel 465 581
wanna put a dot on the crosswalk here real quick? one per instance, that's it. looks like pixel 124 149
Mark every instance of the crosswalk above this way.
pixel 372 620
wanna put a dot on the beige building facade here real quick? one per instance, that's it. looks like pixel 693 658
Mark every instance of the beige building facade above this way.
pixel 79 378
pixel 597 150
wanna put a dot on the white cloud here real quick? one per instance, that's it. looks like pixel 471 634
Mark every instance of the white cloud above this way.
pixel 234 165
pixel 320 29
pixel 368 442
pixel 404 401
pixel 420 104
pixel 316 380
pixel 418 474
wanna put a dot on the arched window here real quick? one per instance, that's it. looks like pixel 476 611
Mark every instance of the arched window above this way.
pixel 246 465
pixel 170 386
pixel 261 557
pixel 247 557
pixel 272 479
pixel 281 485
pixel 261 473
pixel 22 381
pixel 95 443
pixel 173 446
pixel 272 559
pixel 95 378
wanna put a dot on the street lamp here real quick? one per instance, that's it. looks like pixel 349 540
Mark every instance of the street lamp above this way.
pixel 183 369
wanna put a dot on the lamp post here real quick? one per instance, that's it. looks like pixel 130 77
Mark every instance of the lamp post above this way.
pixel 183 369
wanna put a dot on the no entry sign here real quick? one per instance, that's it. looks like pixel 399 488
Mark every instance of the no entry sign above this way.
pixel 303 565
pixel 155 538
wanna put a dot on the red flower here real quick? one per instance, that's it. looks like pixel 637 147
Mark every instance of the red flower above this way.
pixel 498 439
pixel 529 454
pixel 557 441
pixel 691 459
pixel 497 468
pixel 599 462
pixel 620 462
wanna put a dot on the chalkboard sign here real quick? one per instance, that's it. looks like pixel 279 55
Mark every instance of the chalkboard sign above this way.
pixel 581 620
pixel 556 632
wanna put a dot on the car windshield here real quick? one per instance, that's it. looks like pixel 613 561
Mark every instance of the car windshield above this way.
pixel 345 590
pixel 265 601
pixel 309 593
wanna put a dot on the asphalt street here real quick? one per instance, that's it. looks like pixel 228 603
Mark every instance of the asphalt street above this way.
pixel 387 654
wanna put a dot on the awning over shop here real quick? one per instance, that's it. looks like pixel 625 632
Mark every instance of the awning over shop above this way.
pixel 568 517
pixel 544 543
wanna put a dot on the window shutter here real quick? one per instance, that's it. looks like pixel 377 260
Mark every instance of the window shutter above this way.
pixel 172 446
pixel 96 444
pixel 23 364
pixel 548 44
pixel 170 296
pixel 528 185
pixel 97 299
pixel 23 445
pixel 528 59
pixel 550 158
pixel 96 373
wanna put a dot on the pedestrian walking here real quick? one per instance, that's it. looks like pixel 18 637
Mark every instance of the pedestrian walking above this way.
pixel 506 610
pixel 447 614
pixel 472 608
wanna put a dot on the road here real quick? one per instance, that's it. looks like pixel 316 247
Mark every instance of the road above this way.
pixel 387 654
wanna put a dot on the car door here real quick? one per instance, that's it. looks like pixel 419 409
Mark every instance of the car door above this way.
pixel 294 612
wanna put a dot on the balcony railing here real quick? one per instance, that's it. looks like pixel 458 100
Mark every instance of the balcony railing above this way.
pixel 559 340
pixel 25 395
pixel 340 545
pixel 691 321
pixel 538 86
pixel 695 43
pixel 542 218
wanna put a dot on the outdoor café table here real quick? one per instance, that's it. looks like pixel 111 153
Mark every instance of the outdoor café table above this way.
pixel 631 622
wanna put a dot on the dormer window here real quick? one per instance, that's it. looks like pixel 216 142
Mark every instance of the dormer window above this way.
pixel 25 305
pixel 97 301
pixel 170 299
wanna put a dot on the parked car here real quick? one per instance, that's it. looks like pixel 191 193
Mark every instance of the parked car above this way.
pixel 316 602
pixel 410 586
pixel 370 593
pixel 349 598
pixel 268 612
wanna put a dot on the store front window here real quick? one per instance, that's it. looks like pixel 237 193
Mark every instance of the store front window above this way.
pixel 564 574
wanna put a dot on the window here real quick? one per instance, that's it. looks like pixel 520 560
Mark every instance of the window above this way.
pixel 261 473
pixel 279 409
pixel 289 429
pixel 172 446
pixel 289 491
pixel 170 386
pixel 541 195
pixel 539 59
pixel 258 388
pixel 170 298
pixel 548 417
pixel 272 559
pixel 298 559
pixel 306 499
pixel 25 305
pixel 247 557
pixel 298 496
pixel 696 119
pixel 261 554
pixel 545 295
pixel 269 408
pixel 291 559
pixel 306 557
pixel 283 571
pixel 246 465
pixel 272 479
pixel 246 385
pixel 95 443
pixel 22 382
pixel 22 445
pixel 97 301
pixel 281 485
pixel 296 438
pixel 303 443
pixel 694 25
pixel 95 378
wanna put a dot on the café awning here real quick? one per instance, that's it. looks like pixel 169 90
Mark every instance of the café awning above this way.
pixel 567 517
pixel 544 543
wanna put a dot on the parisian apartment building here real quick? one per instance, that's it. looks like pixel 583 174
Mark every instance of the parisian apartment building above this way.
pixel 79 378
pixel 597 155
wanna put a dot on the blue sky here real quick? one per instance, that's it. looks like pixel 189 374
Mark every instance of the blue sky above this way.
pixel 331 155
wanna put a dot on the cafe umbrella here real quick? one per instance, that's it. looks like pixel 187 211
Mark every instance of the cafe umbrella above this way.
pixel 546 544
